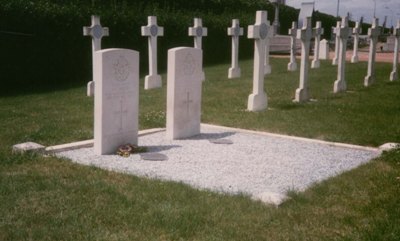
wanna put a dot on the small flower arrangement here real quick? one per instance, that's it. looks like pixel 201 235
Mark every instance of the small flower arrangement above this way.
pixel 128 149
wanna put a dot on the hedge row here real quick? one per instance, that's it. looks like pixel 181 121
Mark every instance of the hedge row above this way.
pixel 51 48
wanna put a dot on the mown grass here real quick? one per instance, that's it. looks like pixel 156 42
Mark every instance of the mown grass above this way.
pixel 45 198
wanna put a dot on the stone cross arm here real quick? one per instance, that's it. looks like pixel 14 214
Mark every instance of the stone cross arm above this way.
pixel 152 29
pixel 375 30
pixel 95 30
pixel 396 31
pixel 198 30
pixel 344 31
pixel 306 33
pixel 235 30
pixel 293 31
pixel 318 30
pixel 261 29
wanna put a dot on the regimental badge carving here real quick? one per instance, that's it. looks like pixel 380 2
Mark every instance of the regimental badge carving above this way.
pixel 237 30
pixel 263 31
pixel 189 65
pixel 199 32
pixel 97 31
pixel 153 30
pixel 121 69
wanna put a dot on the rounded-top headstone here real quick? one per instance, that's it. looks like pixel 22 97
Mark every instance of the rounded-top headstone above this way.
pixel 153 30
pixel 263 31
pixel 97 31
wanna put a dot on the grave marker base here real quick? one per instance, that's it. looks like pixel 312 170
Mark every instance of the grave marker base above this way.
pixel 90 89
pixel 234 73
pixel 354 59
pixel 301 95
pixel 339 86
pixel 393 76
pixel 292 66
pixel 152 82
pixel 257 102
pixel 315 64
pixel 368 80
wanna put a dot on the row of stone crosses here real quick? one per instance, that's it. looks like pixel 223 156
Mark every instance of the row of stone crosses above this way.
pixel 116 74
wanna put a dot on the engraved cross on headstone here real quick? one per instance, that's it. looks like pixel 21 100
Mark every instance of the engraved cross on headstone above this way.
pixel 373 34
pixel 356 33
pixel 292 65
pixel 335 58
pixel 152 31
pixel 197 31
pixel 396 33
pixel 121 112
pixel 97 32
pixel 259 32
pixel 305 34
pixel 235 31
pixel 343 33
pixel 187 102
pixel 318 32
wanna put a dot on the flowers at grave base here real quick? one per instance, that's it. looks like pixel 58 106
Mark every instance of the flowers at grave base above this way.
pixel 128 149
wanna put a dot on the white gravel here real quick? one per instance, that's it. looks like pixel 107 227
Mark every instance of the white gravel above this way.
pixel 262 166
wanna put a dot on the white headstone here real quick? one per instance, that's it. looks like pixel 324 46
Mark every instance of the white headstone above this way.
pixel 259 32
pixel 356 33
pixel 267 66
pixel 184 92
pixel 324 49
pixel 337 40
pixel 116 103
pixel 198 31
pixel 396 33
pixel 343 33
pixel 305 34
pixel 318 32
pixel 235 31
pixel 152 30
pixel 292 65
pixel 373 34
pixel 97 32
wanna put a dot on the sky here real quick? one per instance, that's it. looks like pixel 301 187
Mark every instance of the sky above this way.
pixel 357 8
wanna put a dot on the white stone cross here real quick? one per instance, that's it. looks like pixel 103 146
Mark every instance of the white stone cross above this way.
pixel 343 33
pixel 318 32
pixel 396 32
pixel 152 30
pixel 197 31
pixel 97 32
pixel 305 34
pixel 267 66
pixel 259 32
pixel 335 58
pixel 373 34
pixel 292 65
pixel 356 33
pixel 235 31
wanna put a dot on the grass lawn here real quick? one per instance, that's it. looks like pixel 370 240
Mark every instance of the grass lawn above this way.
pixel 45 198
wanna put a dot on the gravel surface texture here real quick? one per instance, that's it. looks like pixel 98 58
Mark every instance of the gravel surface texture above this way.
pixel 261 166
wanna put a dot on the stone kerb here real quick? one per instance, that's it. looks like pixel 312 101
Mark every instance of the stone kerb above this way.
pixel 116 106
pixel 185 72
pixel 235 31
pixel 152 31
pixel 97 32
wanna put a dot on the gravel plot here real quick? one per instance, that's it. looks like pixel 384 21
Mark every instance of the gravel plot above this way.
pixel 261 166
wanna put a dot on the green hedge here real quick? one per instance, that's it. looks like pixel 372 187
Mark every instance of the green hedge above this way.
pixel 55 51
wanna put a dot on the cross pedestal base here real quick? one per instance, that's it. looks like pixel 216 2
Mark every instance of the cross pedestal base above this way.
pixel 368 80
pixel 301 95
pixel 267 69
pixel 152 81
pixel 292 66
pixel 315 64
pixel 234 73
pixel 393 76
pixel 257 102
pixel 354 59
pixel 339 86
pixel 90 89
